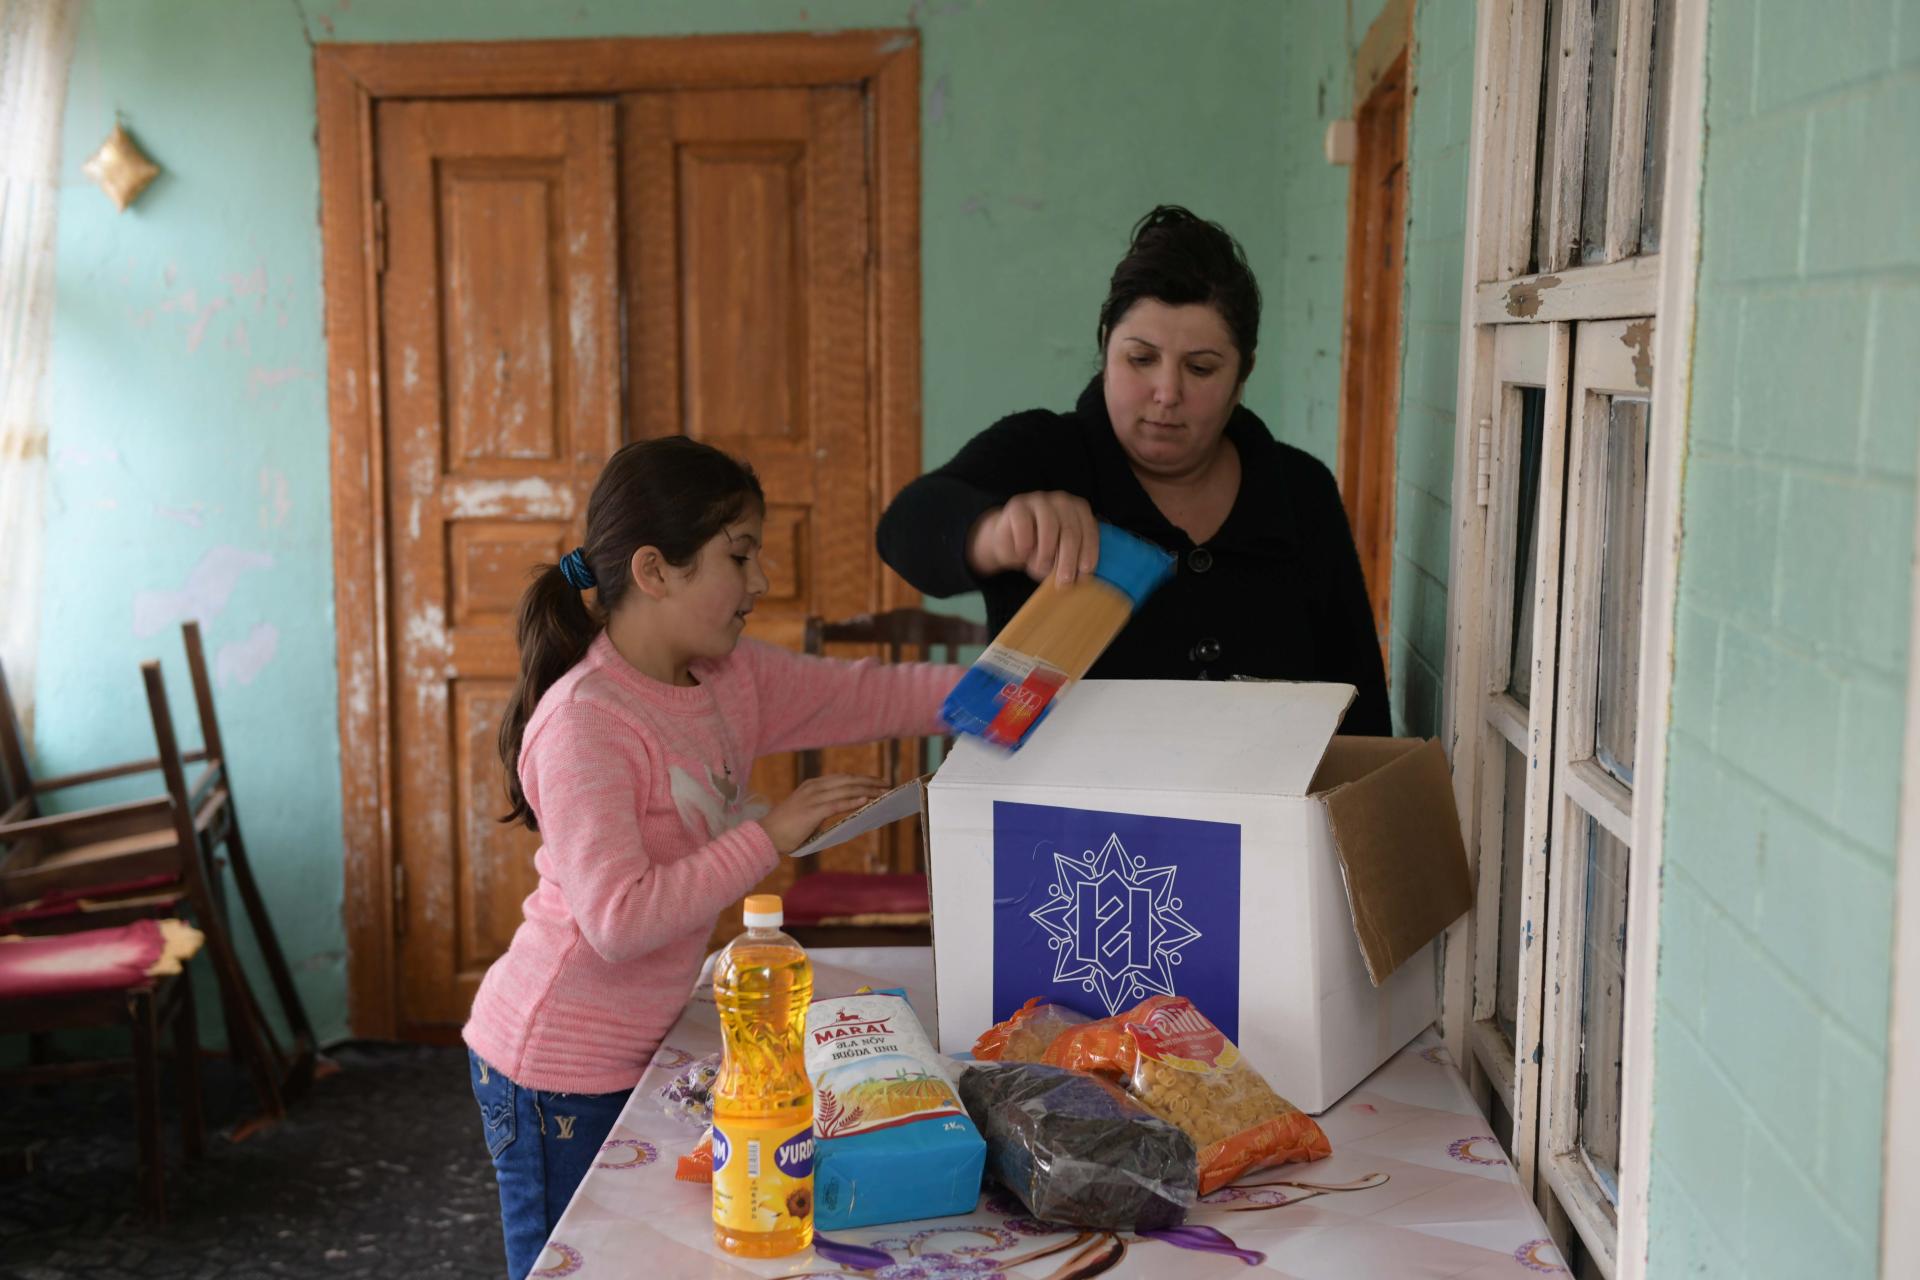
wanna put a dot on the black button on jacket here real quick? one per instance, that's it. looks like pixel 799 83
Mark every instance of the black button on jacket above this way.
pixel 1277 593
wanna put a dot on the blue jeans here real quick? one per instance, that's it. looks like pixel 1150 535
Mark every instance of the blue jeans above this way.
pixel 542 1145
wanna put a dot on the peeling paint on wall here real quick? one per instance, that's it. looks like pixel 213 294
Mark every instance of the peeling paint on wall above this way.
pixel 274 502
pixel 205 594
pixel 242 661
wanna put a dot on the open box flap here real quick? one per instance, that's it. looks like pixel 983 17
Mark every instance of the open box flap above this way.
pixel 1398 836
pixel 904 801
pixel 1238 736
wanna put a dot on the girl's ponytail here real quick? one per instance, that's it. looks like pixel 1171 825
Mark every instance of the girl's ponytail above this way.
pixel 555 632
pixel 673 494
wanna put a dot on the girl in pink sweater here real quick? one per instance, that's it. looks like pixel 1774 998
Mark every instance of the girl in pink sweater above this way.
pixel 627 746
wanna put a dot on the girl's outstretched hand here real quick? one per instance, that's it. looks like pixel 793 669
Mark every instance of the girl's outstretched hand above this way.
pixel 793 821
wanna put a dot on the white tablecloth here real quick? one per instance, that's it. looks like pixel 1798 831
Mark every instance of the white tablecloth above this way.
pixel 1438 1198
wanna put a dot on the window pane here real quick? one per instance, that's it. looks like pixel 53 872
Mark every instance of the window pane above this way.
pixel 1599 142
pixel 1603 1004
pixel 1512 871
pixel 1622 565
pixel 1550 58
pixel 1533 414
pixel 1653 174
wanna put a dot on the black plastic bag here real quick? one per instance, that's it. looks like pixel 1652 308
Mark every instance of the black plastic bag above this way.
pixel 1077 1151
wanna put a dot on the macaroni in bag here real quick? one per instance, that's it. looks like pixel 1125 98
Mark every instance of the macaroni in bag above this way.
pixel 1025 1036
pixel 1180 1067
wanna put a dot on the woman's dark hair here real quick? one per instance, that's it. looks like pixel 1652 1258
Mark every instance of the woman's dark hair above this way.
pixel 672 493
pixel 1179 258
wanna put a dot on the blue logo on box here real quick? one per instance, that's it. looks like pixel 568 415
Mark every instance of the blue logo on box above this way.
pixel 1100 910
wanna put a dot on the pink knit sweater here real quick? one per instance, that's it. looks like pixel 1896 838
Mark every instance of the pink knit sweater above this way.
pixel 648 834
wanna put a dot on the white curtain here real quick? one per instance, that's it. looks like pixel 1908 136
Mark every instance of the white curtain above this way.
pixel 36 45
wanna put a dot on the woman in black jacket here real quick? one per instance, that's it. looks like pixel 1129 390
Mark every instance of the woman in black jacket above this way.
pixel 1159 444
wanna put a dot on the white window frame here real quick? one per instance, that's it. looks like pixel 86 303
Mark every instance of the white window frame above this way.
pixel 1497 297
pixel 1610 360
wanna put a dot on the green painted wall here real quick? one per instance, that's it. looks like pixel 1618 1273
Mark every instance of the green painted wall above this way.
pixel 1300 333
pixel 1301 342
pixel 1436 235
pixel 1791 646
pixel 190 438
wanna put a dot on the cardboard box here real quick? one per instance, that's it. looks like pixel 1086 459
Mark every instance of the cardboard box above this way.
pixel 1211 840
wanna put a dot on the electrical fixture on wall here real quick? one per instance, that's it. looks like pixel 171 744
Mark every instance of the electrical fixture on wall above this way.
pixel 120 168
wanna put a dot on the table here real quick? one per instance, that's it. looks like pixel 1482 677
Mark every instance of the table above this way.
pixel 1433 1193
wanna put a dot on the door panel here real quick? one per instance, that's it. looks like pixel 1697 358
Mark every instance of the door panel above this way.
pixel 748 242
pixel 729 231
pixel 500 323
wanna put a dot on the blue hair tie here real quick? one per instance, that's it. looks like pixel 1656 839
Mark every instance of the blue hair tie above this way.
pixel 574 568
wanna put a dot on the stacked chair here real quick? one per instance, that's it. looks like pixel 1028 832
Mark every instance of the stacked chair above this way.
pixel 162 856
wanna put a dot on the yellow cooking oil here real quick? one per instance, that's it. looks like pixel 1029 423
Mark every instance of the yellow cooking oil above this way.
pixel 762 1099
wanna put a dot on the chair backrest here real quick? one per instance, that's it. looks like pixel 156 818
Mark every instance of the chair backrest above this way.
pixel 210 744
pixel 904 635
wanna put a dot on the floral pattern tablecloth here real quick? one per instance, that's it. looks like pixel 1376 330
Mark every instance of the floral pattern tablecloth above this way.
pixel 1416 1187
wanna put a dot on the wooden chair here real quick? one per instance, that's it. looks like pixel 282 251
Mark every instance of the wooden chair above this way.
pixel 877 909
pixel 106 978
pixel 61 872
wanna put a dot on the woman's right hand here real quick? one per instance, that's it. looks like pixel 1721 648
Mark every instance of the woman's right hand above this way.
pixel 1040 533
pixel 792 822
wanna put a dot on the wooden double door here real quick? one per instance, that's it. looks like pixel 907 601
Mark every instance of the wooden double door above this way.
pixel 554 276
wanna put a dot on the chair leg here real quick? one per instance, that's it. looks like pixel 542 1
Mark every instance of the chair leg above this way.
pixel 186 1068
pixel 245 1032
pixel 146 1103
pixel 265 935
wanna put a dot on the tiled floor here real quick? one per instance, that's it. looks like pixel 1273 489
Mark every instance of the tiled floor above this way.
pixel 380 1171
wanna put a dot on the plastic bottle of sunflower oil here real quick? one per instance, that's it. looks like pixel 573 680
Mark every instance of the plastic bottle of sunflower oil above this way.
pixel 762 1099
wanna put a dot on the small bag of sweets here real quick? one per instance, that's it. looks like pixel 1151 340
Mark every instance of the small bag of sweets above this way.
pixel 1025 1035
pixel 1077 1151
pixel 1180 1067
pixel 697 1164
pixel 688 1097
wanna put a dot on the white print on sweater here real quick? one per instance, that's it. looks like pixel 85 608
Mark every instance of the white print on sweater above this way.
pixel 718 802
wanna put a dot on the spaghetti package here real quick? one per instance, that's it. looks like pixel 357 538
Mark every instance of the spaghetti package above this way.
pixel 892 1141
pixel 1025 1035
pixel 1052 640
pixel 1079 1152
pixel 1178 1065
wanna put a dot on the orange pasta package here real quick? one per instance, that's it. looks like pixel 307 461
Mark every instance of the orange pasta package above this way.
pixel 1025 1036
pixel 1179 1066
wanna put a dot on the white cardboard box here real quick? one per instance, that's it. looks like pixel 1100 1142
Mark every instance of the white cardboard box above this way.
pixel 1211 840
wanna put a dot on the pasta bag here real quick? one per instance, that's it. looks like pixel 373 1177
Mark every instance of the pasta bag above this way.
pixel 1178 1065
pixel 1057 634
pixel 1026 1034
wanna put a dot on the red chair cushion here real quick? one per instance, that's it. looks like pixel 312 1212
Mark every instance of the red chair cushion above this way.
pixel 837 895
pixel 73 963
pixel 65 902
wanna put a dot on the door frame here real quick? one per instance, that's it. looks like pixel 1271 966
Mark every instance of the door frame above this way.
pixel 350 79
pixel 1369 424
